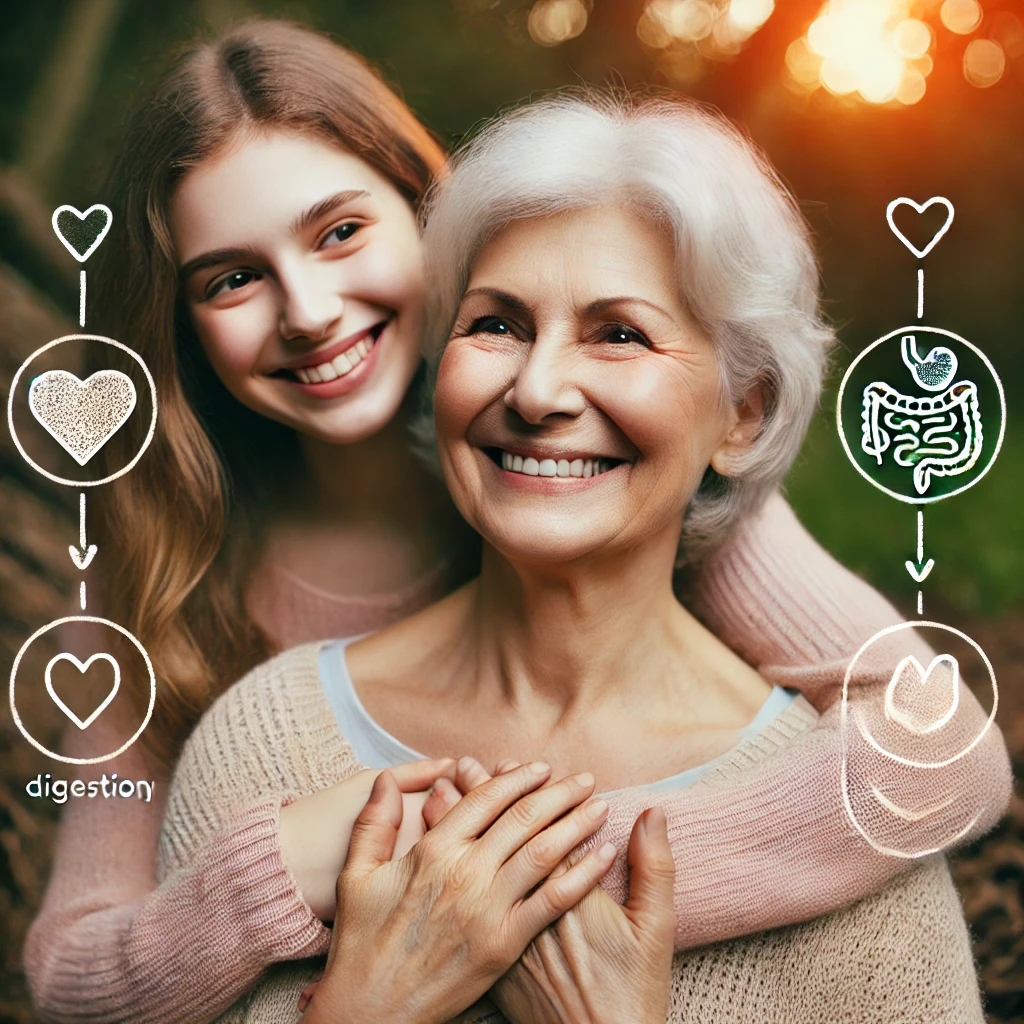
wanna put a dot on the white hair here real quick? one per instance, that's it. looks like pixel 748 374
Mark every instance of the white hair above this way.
pixel 745 264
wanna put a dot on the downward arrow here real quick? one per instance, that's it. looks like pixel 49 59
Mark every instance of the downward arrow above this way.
pixel 83 555
pixel 82 558
pixel 918 571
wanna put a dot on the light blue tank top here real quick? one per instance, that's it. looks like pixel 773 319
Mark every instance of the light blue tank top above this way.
pixel 375 747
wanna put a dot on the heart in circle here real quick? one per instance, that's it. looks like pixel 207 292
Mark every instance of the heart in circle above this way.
pixel 910 675
pixel 82 415
pixel 82 667
pixel 81 232
pixel 920 208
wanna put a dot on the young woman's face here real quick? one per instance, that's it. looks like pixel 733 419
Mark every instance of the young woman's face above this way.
pixel 578 402
pixel 303 272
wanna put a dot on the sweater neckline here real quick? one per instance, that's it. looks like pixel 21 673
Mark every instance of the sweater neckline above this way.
pixel 783 714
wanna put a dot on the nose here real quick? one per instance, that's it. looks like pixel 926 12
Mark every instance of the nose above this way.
pixel 310 308
pixel 545 384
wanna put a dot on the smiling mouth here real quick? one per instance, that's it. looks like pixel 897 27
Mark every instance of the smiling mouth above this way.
pixel 529 465
pixel 342 364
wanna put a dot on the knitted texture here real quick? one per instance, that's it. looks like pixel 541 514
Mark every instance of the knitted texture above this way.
pixel 111 943
pixel 900 955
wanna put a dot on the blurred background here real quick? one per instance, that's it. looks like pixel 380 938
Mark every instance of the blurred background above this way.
pixel 856 102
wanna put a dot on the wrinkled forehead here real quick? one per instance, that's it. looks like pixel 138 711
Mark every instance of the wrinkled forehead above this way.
pixel 584 254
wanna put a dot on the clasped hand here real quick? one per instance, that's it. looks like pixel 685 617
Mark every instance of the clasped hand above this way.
pixel 422 936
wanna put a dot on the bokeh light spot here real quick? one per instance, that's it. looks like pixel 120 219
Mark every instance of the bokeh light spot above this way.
pixel 554 21
pixel 912 38
pixel 912 87
pixel 691 20
pixel 961 16
pixel 984 62
pixel 803 64
pixel 750 15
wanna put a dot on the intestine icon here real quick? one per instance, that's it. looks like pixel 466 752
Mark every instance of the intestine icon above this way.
pixel 934 434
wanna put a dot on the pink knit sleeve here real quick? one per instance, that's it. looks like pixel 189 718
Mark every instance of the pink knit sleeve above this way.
pixel 110 944
pixel 774 846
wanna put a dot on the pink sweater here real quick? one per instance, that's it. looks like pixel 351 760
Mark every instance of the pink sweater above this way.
pixel 111 944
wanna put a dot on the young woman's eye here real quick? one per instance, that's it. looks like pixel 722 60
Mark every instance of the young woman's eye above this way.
pixel 232 282
pixel 491 325
pixel 620 334
pixel 342 233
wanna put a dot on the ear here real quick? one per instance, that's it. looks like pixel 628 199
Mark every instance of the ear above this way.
pixel 747 422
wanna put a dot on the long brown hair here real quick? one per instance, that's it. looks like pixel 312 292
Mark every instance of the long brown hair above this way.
pixel 181 531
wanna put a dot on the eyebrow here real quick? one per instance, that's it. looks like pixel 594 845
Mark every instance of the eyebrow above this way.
pixel 597 306
pixel 499 296
pixel 320 209
pixel 600 305
pixel 326 206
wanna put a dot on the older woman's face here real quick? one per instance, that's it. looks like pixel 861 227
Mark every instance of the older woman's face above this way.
pixel 578 402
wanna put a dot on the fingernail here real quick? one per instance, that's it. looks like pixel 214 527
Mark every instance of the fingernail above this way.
pixel 655 820
pixel 465 764
pixel 607 851
pixel 596 809
pixel 585 779
pixel 539 768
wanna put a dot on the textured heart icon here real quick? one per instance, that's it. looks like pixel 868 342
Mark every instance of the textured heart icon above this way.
pixel 920 208
pixel 82 667
pixel 914 695
pixel 80 232
pixel 82 415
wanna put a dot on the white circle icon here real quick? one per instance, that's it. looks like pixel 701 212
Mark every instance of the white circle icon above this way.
pixel 81 416
pixel 82 667
pixel 921 414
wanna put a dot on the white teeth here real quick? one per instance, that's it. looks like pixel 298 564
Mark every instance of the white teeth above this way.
pixel 340 365
pixel 550 467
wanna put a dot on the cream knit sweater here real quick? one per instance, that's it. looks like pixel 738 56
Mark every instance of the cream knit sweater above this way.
pixel 898 957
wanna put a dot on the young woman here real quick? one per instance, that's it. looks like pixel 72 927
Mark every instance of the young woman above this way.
pixel 631 352
pixel 270 273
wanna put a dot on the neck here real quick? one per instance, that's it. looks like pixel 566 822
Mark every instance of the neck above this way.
pixel 378 479
pixel 568 636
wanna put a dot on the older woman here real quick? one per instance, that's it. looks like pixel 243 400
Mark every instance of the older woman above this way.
pixel 630 352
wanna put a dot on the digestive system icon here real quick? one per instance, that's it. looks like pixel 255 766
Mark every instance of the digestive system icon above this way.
pixel 81 417
pixel 930 434
pixel 921 415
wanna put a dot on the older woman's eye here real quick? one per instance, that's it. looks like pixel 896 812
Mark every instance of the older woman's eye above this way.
pixel 619 334
pixel 491 325
pixel 232 282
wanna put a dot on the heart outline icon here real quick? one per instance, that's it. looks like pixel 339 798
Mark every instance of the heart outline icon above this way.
pixel 920 208
pixel 83 668
pixel 44 406
pixel 909 722
pixel 81 257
